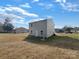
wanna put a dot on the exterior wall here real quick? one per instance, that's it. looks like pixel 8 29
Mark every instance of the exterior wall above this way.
pixel 37 27
pixel 50 27
pixel 47 26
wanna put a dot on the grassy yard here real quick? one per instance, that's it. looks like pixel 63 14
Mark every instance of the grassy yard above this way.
pixel 12 37
pixel 74 35
pixel 22 46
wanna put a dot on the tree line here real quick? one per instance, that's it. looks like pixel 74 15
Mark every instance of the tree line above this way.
pixel 68 29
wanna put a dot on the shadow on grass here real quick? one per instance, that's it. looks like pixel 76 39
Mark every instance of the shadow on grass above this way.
pixel 58 41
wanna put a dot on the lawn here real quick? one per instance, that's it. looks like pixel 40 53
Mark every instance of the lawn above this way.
pixel 22 46
pixel 73 35
pixel 12 37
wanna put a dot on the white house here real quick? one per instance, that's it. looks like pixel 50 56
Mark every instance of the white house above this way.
pixel 42 28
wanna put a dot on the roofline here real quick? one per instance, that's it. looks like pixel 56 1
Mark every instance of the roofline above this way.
pixel 39 21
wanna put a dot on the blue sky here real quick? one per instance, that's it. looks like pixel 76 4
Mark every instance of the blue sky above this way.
pixel 21 12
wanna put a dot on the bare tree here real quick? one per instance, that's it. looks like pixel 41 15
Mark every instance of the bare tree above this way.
pixel 7 26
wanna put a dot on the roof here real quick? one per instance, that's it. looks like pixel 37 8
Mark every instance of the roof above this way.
pixel 21 28
pixel 42 20
pixel 39 21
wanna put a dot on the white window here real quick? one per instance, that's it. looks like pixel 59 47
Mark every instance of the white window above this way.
pixel 31 25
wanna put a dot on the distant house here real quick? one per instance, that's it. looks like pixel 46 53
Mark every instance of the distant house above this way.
pixel 75 30
pixel 42 28
pixel 57 30
pixel 21 30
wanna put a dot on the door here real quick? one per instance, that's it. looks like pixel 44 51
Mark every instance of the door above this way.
pixel 36 34
pixel 41 32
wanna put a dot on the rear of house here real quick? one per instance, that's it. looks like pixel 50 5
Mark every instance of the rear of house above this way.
pixel 42 28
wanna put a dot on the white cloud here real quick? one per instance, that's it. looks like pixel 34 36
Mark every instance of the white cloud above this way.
pixel 61 1
pixel 71 7
pixel 18 22
pixel 33 20
pixel 15 20
pixel 41 4
pixel 2 11
pixel 23 22
pixel 68 5
pixel 49 6
pixel 35 1
pixel 16 14
pixel 26 5
pixel 46 6
pixel 21 11
pixel 8 5
pixel 13 16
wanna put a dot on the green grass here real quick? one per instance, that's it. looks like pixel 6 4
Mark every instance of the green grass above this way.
pixel 65 36
pixel 57 37
pixel 69 41
pixel 75 36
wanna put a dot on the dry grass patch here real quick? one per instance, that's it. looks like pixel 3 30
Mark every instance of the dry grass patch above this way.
pixel 13 46
pixel 12 37
pixel 25 50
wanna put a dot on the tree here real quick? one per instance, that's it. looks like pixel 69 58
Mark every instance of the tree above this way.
pixel 67 29
pixel 1 27
pixel 7 26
